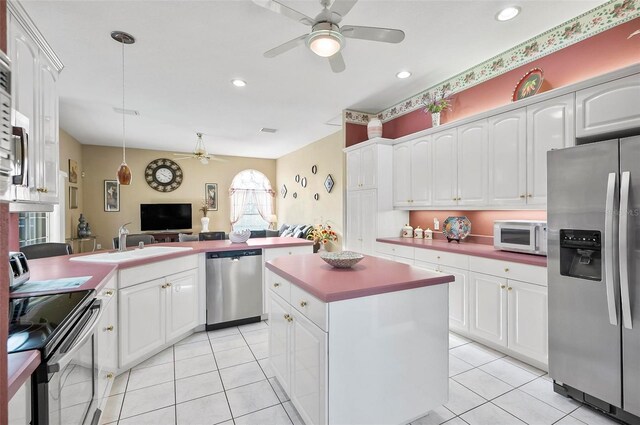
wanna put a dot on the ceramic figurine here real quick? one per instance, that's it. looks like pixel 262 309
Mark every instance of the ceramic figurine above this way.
pixel 83 227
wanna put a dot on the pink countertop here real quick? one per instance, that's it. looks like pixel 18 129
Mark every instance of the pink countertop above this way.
pixel 475 249
pixel 60 267
pixel 20 366
pixel 370 276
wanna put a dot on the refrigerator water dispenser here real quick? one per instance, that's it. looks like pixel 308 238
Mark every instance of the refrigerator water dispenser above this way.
pixel 581 254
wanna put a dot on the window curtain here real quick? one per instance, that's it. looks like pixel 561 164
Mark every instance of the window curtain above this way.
pixel 241 198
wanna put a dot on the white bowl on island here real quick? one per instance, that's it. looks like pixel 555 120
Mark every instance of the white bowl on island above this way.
pixel 343 259
pixel 239 236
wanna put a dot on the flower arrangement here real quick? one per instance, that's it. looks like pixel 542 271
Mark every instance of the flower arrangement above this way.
pixel 322 235
pixel 436 102
pixel 204 208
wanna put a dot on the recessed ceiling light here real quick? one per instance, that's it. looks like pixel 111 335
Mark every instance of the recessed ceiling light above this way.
pixel 403 74
pixel 238 82
pixel 508 13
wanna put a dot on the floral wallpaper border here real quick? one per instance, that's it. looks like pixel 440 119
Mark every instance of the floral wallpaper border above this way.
pixel 602 18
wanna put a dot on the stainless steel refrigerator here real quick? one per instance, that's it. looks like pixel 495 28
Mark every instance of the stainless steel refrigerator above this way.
pixel 594 274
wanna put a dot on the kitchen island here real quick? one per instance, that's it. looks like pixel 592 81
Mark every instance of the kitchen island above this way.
pixel 358 346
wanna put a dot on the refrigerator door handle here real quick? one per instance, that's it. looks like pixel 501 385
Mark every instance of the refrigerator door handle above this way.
pixel 624 249
pixel 608 250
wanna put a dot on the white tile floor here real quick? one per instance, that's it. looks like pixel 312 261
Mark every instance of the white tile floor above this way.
pixel 223 377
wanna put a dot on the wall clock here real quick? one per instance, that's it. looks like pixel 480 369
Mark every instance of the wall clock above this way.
pixel 163 175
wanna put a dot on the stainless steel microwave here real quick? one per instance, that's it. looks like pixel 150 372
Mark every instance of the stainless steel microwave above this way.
pixel 526 236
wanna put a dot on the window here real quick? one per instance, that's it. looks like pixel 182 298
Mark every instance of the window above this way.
pixel 251 201
pixel 33 227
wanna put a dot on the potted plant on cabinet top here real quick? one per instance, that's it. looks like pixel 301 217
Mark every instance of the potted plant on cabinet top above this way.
pixel 436 103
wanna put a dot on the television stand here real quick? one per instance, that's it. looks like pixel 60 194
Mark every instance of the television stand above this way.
pixel 168 236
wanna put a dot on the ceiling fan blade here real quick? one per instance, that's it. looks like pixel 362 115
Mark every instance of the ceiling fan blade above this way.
pixel 215 158
pixel 285 47
pixel 386 35
pixel 280 8
pixel 337 63
pixel 184 157
pixel 342 7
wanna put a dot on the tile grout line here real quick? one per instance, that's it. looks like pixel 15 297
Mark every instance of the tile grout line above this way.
pixel 224 389
pixel 124 395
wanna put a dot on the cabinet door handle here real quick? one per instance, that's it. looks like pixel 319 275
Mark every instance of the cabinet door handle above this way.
pixel 109 375
pixel 108 293
pixel 438 257
pixel 164 286
pixel 303 303
pixel 454 199
pixel 503 286
pixel 168 284
pixel 288 318
pixel 522 196
pixel 506 269
pixel 276 285
pixel 109 328
pixel 509 288
pixel 529 195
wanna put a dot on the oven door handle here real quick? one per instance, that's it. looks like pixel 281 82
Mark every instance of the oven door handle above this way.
pixel 88 329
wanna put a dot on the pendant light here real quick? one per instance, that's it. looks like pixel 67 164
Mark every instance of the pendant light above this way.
pixel 124 172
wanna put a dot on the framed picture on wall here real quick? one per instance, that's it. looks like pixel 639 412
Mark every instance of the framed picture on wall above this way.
pixel 73 198
pixel 73 171
pixel 211 195
pixel 111 196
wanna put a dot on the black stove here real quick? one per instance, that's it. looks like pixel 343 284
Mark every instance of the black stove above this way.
pixel 41 322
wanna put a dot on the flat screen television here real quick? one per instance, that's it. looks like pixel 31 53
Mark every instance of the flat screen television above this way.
pixel 165 216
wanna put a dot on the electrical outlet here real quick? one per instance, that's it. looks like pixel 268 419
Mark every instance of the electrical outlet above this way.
pixel 99 246
pixel 436 224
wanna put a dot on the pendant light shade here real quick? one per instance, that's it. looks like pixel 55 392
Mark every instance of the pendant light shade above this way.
pixel 124 172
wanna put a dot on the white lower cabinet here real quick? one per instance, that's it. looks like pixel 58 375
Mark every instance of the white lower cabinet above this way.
pixel 273 253
pixel 298 358
pixel 308 369
pixel 488 308
pixel 489 299
pixel 528 320
pixel 154 312
pixel 107 340
pixel 19 407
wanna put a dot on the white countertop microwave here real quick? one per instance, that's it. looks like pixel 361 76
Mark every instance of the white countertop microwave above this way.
pixel 527 236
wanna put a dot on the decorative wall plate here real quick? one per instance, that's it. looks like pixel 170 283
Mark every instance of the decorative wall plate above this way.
pixel 163 175
pixel 283 191
pixel 295 195
pixel 297 178
pixel 314 169
pixel 528 85
pixel 303 182
pixel 328 183
pixel 456 228
pixel 316 196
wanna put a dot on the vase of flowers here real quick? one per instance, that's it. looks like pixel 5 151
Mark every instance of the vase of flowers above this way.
pixel 321 235
pixel 204 221
pixel 436 103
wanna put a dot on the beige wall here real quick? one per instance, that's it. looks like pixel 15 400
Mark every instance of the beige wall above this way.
pixel 100 163
pixel 329 209
pixel 70 148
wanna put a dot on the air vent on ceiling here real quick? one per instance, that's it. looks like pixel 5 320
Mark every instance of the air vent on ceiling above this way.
pixel 126 111
pixel 267 130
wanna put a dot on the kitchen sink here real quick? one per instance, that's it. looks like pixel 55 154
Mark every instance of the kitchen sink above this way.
pixel 133 254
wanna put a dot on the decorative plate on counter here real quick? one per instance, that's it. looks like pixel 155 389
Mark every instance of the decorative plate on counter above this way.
pixel 342 260
pixel 456 228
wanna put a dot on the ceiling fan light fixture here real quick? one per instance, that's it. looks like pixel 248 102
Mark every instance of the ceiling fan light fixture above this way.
pixel 325 40
pixel 508 13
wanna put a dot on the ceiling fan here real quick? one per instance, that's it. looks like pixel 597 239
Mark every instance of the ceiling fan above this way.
pixel 327 38
pixel 200 153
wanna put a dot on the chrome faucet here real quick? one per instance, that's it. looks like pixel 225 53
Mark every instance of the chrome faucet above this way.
pixel 122 237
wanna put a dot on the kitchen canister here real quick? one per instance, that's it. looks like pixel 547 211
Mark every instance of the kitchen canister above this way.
pixel 418 233
pixel 428 234
pixel 407 231
pixel 374 128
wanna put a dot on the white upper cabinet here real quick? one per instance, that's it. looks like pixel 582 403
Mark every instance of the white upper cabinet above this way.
pixel 507 158
pixel 35 70
pixel 412 178
pixel 550 125
pixel 445 167
pixel 402 175
pixel 362 168
pixel 609 107
pixel 472 164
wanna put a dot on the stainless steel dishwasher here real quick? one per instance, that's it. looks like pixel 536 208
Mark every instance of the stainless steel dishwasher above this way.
pixel 234 287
